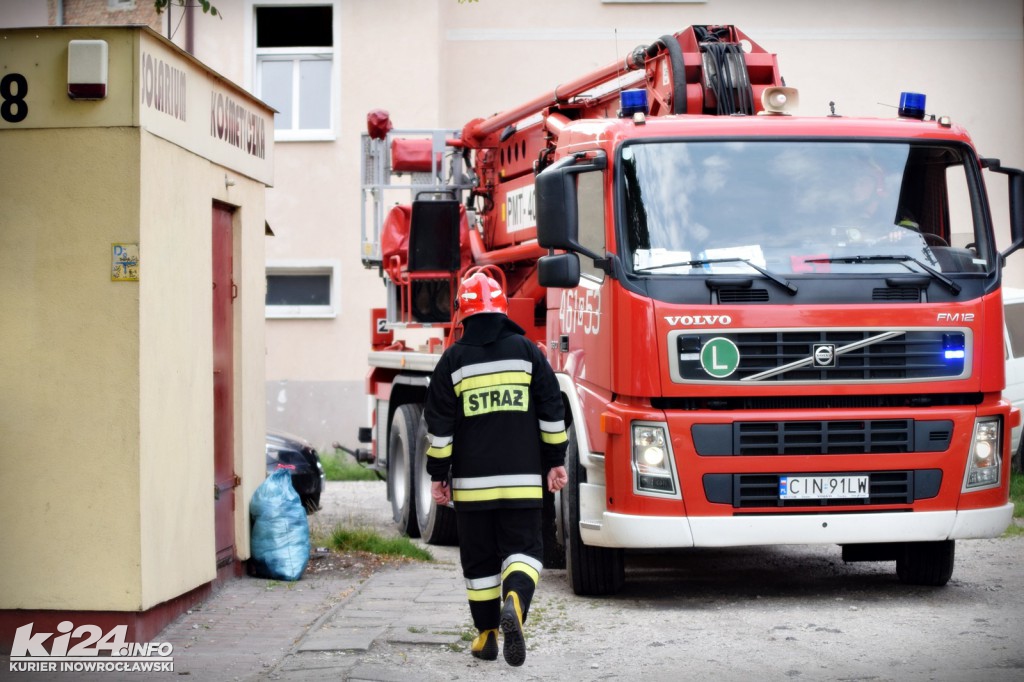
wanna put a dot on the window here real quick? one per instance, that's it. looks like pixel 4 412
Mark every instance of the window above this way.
pixel 590 192
pixel 295 67
pixel 800 206
pixel 302 289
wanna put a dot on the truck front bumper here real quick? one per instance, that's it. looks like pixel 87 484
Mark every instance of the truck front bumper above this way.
pixel 621 530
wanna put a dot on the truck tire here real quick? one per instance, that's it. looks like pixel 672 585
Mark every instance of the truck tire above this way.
pixel 437 524
pixel 926 563
pixel 591 571
pixel 401 472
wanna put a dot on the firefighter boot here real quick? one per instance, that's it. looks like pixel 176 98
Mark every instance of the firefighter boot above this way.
pixel 485 646
pixel 512 628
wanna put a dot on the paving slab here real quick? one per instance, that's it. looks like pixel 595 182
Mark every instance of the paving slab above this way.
pixel 400 635
pixel 383 673
pixel 341 639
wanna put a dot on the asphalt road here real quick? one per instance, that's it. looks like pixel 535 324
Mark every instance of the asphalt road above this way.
pixel 776 613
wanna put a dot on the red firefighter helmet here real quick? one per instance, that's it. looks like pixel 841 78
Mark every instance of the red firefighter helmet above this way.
pixel 479 293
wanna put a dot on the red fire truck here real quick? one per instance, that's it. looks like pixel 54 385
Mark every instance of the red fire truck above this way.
pixel 768 328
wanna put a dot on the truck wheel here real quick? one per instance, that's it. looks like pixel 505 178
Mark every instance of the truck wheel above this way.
pixel 437 524
pixel 401 473
pixel 592 571
pixel 926 563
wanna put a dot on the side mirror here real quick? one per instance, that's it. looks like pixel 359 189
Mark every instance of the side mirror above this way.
pixel 557 204
pixel 1015 185
pixel 560 271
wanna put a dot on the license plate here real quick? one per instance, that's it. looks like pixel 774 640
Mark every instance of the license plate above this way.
pixel 822 487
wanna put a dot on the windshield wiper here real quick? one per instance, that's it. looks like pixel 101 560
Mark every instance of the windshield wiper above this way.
pixel 953 287
pixel 784 283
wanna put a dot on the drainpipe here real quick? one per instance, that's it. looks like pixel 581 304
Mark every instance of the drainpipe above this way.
pixel 190 42
pixel 59 21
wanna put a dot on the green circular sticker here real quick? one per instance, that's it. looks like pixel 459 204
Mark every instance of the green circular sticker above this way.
pixel 719 357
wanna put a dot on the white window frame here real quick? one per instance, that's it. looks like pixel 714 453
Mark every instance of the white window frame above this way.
pixel 296 55
pixel 307 267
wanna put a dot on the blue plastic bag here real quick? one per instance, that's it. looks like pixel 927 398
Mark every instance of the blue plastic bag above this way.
pixel 280 531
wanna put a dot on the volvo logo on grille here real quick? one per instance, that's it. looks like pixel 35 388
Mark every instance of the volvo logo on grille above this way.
pixel 824 355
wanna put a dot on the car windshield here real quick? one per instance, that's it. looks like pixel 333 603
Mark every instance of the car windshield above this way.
pixel 792 207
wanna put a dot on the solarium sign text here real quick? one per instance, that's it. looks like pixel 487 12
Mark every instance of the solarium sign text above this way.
pixel 162 87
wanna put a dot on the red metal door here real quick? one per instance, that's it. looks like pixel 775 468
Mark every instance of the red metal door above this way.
pixel 223 382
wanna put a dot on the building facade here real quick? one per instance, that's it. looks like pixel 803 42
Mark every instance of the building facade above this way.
pixel 323 64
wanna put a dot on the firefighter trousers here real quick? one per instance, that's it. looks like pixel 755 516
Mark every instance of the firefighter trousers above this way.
pixel 501 551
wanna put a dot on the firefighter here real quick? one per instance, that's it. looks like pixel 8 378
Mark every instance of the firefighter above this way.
pixel 496 427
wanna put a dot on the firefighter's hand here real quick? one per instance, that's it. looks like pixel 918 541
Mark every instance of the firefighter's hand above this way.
pixel 557 478
pixel 440 492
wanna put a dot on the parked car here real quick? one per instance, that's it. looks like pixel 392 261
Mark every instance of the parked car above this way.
pixel 1013 313
pixel 301 459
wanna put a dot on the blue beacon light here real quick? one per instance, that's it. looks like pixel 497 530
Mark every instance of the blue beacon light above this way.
pixel 912 105
pixel 632 102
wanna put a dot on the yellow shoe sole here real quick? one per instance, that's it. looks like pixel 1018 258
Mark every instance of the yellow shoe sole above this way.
pixel 514 648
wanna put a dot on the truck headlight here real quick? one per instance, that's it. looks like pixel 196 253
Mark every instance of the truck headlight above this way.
pixel 652 460
pixel 985 458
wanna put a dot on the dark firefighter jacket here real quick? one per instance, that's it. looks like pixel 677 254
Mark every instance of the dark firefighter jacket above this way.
pixel 494 415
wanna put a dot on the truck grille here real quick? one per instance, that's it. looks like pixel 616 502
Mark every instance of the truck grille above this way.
pixel 890 435
pixel 752 491
pixel 824 355
pixel 839 437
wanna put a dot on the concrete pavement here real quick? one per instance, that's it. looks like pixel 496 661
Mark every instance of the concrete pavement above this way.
pixel 324 626
pixel 339 625
pixel 379 630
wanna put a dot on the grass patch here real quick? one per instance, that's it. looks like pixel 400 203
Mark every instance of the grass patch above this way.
pixel 339 466
pixel 365 540
pixel 1017 497
pixel 466 636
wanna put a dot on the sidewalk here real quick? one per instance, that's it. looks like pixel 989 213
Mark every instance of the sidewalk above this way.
pixel 322 626
pixel 376 632
pixel 397 621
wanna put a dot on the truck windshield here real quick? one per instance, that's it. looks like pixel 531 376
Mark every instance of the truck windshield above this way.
pixel 793 207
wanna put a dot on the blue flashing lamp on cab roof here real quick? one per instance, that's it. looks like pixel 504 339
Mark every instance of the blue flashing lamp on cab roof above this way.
pixel 632 102
pixel 912 105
